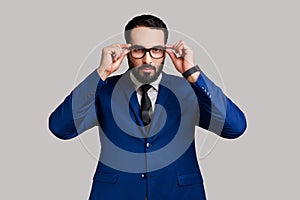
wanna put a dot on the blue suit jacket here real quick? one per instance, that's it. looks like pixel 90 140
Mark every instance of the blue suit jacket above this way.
pixel 158 161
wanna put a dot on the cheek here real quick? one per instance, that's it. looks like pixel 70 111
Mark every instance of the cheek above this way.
pixel 135 62
pixel 158 62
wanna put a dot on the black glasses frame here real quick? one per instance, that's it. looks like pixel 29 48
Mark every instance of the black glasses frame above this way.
pixel 147 50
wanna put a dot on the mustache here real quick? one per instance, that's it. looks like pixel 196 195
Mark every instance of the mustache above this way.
pixel 146 66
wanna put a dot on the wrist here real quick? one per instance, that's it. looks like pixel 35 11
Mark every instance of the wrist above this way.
pixel 192 74
pixel 193 77
pixel 102 73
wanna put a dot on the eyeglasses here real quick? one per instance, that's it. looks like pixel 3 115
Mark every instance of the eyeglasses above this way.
pixel 139 52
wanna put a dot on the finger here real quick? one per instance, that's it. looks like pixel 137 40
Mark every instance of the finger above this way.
pixel 171 54
pixel 125 46
pixel 124 53
pixel 177 44
pixel 181 50
pixel 123 49
pixel 169 46
pixel 111 51
pixel 177 47
pixel 119 51
pixel 114 55
pixel 178 50
pixel 186 48
pixel 116 52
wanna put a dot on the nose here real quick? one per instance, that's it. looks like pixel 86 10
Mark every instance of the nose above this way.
pixel 147 59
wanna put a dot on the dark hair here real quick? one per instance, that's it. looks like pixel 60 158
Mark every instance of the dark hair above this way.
pixel 145 21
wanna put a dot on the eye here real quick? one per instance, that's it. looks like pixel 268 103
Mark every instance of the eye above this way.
pixel 157 50
pixel 138 49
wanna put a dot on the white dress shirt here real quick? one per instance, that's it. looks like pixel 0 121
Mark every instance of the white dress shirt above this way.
pixel 152 92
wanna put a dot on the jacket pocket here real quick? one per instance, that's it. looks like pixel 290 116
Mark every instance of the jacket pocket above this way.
pixel 105 177
pixel 189 179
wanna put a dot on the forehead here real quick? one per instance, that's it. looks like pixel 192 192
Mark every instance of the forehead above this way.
pixel 147 37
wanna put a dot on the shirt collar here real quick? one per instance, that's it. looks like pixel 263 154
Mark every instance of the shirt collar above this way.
pixel 137 84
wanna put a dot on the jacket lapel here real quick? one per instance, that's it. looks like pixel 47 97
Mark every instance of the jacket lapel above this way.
pixel 157 121
pixel 131 97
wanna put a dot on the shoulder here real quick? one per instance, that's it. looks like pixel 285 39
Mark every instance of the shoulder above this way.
pixel 172 77
pixel 175 81
pixel 121 81
pixel 176 84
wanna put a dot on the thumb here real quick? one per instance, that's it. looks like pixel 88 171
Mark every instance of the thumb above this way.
pixel 172 55
pixel 124 53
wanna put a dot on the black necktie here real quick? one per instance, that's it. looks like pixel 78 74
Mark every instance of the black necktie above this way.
pixel 146 107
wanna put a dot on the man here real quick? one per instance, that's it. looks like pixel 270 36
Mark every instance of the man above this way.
pixel 147 118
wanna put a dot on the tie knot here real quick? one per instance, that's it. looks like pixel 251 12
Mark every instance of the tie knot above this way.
pixel 145 87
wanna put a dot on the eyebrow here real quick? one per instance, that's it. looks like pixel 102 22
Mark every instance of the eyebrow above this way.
pixel 136 46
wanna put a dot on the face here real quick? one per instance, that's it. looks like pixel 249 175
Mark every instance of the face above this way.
pixel 147 68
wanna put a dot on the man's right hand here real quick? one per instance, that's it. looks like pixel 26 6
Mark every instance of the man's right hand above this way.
pixel 111 59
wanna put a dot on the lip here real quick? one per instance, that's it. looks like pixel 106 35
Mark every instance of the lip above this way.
pixel 147 69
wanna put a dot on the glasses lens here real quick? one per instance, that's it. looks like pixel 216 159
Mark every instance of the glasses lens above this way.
pixel 137 52
pixel 157 52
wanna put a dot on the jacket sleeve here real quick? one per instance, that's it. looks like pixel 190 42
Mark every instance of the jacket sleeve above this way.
pixel 218 113
pixel 78 112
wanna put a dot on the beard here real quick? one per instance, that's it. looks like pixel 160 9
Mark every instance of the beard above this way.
pixel 145 77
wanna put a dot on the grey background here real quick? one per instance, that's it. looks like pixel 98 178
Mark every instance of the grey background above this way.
pixel 254 43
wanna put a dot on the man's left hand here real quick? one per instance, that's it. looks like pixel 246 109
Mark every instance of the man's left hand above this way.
pixel 182 57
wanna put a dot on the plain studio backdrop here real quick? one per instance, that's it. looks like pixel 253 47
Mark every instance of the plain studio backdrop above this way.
pixel 255 45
